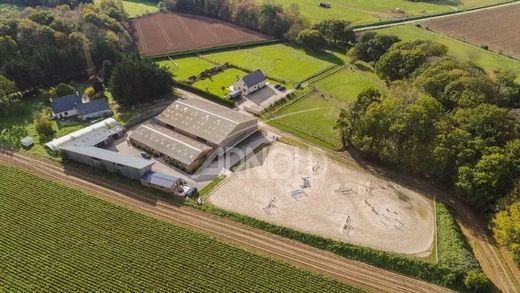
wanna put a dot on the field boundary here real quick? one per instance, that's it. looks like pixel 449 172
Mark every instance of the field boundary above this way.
pixel 158 57
pixel 393 22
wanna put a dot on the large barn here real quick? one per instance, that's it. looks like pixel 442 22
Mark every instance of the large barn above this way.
pixel 124 165
pixel 192 131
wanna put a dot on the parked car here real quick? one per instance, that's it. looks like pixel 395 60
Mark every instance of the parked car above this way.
pixel 282 88
pixel 185 190
pixel 277 86
pixel 146 155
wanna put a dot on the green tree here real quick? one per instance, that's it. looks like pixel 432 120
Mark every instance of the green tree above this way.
pixel 371 46
pixel 337 32
pixel 404 58
pixel 311 39
pixel 9 97
pixel 272 20
pixel 135 80
pixel 477 281
pixel 43 126
pixel 61 90
pixel 505 223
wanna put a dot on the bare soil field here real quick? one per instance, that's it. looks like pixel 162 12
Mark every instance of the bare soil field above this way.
pixel 339 202
pixel 164 33
pixel 496 28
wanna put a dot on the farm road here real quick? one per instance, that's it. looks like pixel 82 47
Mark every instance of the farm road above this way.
pixel 319 261
pixel 375 27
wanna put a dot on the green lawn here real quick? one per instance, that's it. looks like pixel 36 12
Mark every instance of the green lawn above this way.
pixel 55 238
pixel 279 61
pixel 346 84
pixel 313 117
pixel 136 8
pixel 219 84
pixel 371 11
pixel 184 67
pixel 488 60
pixel 19 125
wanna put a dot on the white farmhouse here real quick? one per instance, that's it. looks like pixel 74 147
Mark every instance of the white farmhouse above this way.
pixel 251 82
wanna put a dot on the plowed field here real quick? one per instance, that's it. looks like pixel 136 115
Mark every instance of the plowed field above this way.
pixel 164 33
pixel 496 28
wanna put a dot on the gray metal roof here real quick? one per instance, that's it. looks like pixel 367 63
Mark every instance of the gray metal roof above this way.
pixel 160 179
pixel 169 143
pixel 110 156
pixel 204 119
pixel 254 78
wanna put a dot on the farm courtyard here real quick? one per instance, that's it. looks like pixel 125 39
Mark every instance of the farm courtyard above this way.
pixel 340 203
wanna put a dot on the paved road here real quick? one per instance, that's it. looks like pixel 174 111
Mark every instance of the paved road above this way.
pixel 375 26
pixel 325 263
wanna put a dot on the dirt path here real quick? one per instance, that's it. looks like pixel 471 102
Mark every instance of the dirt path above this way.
pixel 328 264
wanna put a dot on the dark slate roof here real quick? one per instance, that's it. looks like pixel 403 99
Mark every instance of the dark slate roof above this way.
pixel 159 179
pixel 254 78
pixel 110 156
pixel 65 103
pixel 93 107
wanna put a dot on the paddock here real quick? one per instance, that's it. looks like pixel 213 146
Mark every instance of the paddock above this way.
pixel 307 191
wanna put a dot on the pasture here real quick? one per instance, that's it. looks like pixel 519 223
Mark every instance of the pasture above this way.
pixel 488 60
pixel 279 61
pixel 313 116
pixel 219 84
pixel 164 33
pixel 340 202
pixel 135 8
pixel 67 240
pixel 499 31
pixel 363 11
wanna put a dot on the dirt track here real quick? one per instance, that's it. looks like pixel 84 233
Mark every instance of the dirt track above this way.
pixel 342 269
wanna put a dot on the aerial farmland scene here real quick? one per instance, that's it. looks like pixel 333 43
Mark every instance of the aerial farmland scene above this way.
pixel 260 146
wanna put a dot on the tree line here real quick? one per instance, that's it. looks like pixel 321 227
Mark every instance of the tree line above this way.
pixel 445 119
pixel 44 46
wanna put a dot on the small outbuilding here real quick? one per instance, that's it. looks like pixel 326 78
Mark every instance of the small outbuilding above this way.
pixel 66 106
pixel 251 82
pixel 94 109
pixel 27 142
pixel 160 181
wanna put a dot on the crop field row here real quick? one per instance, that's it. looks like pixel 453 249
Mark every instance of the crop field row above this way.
pixel 58 238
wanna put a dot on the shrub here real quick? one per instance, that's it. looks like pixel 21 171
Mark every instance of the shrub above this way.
pixel 43 126
pixel 476 281
pixel 61 90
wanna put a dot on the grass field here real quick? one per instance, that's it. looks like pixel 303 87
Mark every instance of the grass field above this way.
pixel 219 83
pixel 464 51
pixel 371 11
pixel 60 239
pixel 279 61
pixel 184 67
pixel 136 8
pixel 313 117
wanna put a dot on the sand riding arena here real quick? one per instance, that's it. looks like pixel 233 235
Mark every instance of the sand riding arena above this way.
pixel 303 190
pixel 164 33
